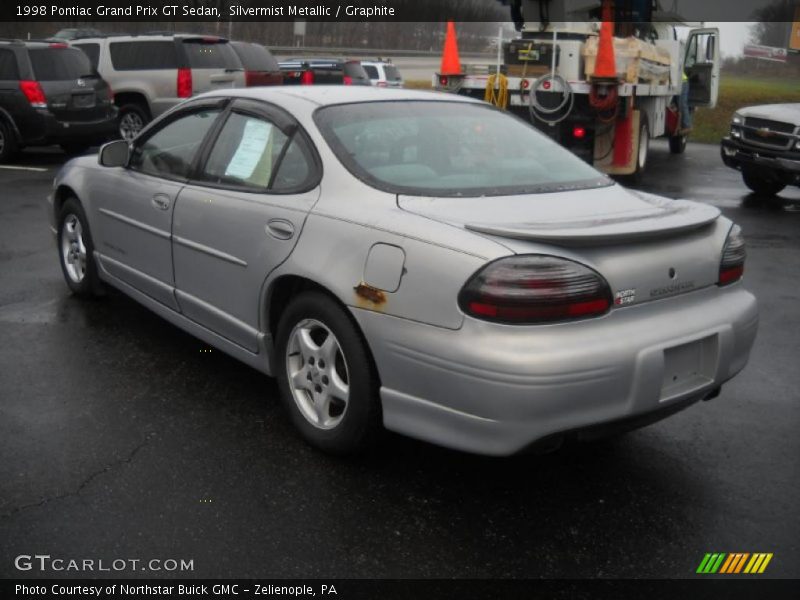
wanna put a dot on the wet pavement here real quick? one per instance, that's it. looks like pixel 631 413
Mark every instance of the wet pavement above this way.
pixel 122 437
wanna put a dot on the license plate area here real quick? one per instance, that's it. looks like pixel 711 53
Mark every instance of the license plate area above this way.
pixel 689 367
pixel 83 100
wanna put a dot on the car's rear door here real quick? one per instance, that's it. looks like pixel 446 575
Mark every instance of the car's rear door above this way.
pixel 241 217
pixel 134 205
pixel 73 89
pixel 213 62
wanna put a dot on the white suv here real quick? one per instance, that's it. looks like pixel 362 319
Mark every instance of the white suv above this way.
pixel 382 73
pixel 151 73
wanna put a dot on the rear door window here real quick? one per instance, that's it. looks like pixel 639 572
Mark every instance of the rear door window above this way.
pixel 8 66
pixel 171 150
pixel 59 64
pixel 142 56
pixel 371 71
pixel 92 51
pixel 203 54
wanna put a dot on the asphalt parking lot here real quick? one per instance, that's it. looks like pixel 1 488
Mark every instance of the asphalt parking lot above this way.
pixel 123 437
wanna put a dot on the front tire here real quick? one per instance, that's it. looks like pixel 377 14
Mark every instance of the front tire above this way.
pixel 327 379
pixel 76 251
pixel 761 185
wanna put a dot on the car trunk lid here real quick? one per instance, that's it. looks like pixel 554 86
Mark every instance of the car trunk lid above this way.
pixel 647 247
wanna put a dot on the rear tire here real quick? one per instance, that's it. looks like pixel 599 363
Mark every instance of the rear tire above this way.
pixel 76 251
pixel 760 185
pixel 8 143
pixel 677 143
pixel 132 119
pixel 326 375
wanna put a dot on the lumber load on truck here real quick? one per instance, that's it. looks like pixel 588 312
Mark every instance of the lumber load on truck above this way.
pixel 637 61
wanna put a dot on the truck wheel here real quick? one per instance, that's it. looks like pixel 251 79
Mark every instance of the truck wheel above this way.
pixel 132 119
pixel 677 143
pixel 762 186
pixel 644 145
pixel 8 144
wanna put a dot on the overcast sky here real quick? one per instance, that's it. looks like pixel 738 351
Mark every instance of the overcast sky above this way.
pixel 733 36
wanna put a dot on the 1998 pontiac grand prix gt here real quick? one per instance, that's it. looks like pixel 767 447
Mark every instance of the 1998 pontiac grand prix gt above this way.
pixel 411 260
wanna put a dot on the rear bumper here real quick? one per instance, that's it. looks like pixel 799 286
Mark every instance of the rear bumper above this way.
pixel 496 390
pixel 50 130
pixel 782 166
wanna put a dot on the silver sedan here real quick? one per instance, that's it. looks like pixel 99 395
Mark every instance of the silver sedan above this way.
pixel 412 261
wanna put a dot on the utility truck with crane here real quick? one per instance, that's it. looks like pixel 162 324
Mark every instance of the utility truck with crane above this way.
pixel 601 77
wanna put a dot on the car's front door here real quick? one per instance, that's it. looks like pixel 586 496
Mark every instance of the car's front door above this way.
pixel 241 217
pixel 135 207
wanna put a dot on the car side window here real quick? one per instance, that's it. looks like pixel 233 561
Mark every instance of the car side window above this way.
pixel 141 56
pixel 245 153
pixel 296 168
pixel 8 66
pixel 170 151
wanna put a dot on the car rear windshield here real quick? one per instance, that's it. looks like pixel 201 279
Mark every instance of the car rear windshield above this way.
pixel 355 70
pixel 204 54
pixel 90 50
pixel 434 148
pixel 255 57
pixel 392 74
pixel 59 64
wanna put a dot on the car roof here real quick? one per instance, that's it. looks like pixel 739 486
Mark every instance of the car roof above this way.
pixel 148 37
pixel 328 95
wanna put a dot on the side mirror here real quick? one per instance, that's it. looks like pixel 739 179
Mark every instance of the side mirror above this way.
pixel 115 154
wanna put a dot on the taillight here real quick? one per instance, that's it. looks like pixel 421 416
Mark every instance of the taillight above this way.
pixel 307 78
pixel 34 93
pixel 578 132
pixel 249 78
pixel 184 83
pixel 731 268
pixel 443 79
pixel 382 84
pixel 532 289
pixel 347 80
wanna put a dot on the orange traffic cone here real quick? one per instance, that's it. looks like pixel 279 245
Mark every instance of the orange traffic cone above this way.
pixel 451 64
pixel 606 66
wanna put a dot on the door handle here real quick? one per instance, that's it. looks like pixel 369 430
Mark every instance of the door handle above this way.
pixel 280 228
pixel 161 201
